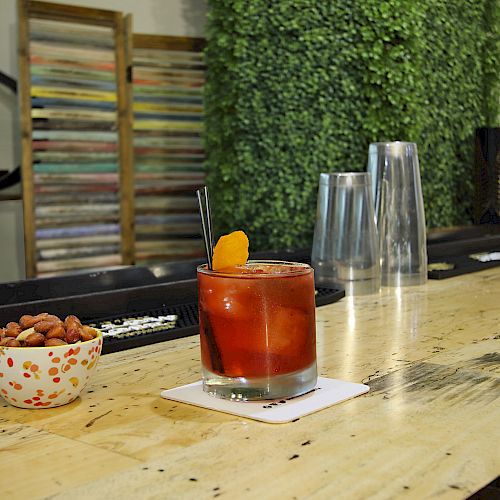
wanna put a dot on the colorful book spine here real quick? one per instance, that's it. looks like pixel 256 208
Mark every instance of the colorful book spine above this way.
pixel 75 146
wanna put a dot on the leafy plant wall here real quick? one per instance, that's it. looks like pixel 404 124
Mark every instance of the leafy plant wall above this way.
pixel 491 58
pixel 299 87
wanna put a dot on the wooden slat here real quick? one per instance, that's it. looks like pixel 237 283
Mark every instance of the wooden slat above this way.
pixel 189 44
pixel 26 130
pixel 123 30
pixel 70 13
pixel 32 447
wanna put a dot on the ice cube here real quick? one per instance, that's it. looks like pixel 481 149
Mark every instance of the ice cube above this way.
pixel 288 330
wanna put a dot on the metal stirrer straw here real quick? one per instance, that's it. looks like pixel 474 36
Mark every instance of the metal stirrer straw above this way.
pixel 206 223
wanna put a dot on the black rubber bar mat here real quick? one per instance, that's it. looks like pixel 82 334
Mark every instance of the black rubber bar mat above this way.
pixel 112 279
pixel 142 328
pixel 453 257
pixel 458 265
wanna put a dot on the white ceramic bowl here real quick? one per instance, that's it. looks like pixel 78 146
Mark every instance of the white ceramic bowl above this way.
pixel 45 377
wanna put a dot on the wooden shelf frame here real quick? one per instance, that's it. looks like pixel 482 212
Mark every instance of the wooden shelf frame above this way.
pixel 172 65
pixel 32 9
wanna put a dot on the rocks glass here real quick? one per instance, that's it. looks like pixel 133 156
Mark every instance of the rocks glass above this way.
pixel 257 330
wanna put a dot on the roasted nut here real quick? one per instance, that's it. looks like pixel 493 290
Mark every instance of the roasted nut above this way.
pixel 71 321
pixel 12 343
pixel 45 329
pixel 73 329
pixel 53 317
pixel 73 334
pixel 56 332
pixel 45 325
pixel 88 333
pixel 54 342
pixel 28 321
pixel 34 340
pixel 13 329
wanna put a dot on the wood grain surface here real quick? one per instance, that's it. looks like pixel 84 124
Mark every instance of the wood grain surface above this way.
pixel 428 428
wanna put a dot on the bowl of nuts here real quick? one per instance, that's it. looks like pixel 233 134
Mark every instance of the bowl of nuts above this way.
pixel 46 361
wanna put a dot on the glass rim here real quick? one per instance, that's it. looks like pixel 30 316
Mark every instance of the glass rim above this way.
pixel 394 147
pixel 344 174
pixel 390 143
pixel 304 269
pixel 345 179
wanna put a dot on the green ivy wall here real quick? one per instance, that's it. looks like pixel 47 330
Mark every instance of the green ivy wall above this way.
pixel 299 87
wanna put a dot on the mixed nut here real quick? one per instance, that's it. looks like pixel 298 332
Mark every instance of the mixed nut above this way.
pixel 45 330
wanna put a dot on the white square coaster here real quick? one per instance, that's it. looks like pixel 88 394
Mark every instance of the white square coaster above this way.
pixel 327 392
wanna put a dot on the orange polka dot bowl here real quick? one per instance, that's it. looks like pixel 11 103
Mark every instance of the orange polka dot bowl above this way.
pixel 46 377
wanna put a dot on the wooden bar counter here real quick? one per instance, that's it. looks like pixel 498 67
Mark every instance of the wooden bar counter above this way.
pixel 428 428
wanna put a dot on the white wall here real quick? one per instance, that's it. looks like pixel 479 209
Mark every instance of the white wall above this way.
pixel 156 17
pixel 11 241
pixel 9 149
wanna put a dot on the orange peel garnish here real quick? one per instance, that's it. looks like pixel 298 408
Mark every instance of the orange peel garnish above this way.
pixel 231 250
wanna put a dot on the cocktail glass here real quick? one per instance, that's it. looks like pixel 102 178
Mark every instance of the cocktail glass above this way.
pixel 257 330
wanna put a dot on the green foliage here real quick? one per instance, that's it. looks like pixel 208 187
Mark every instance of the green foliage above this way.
pixel 299 87
pixel 491 62
pixel 452 46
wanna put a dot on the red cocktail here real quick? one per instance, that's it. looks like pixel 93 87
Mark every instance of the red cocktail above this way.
pixel 257 330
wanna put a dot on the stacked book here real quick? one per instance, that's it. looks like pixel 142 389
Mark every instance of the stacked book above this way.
pixel 74 146
pixel 168 149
